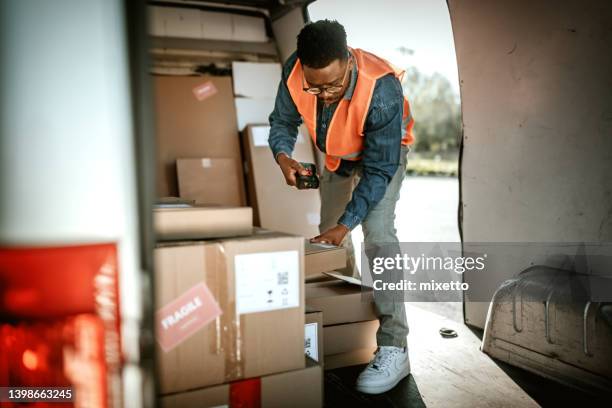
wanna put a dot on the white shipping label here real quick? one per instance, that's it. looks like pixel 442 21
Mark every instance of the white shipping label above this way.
pixel 311 346
pixel 267 281
pixel 260 135
pixel 206 163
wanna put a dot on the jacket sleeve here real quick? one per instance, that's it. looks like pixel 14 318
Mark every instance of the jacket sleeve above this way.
pixel 285 118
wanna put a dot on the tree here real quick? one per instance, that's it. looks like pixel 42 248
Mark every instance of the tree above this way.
pixel 436 111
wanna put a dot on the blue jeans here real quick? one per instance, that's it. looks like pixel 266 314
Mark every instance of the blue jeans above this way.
pixel 378 228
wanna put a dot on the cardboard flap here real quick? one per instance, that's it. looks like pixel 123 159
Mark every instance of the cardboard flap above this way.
pixel 347 279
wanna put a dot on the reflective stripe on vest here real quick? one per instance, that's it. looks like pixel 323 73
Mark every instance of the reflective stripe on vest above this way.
pixel 345 132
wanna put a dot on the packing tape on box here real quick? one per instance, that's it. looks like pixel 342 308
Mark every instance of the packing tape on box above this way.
pixel 227 336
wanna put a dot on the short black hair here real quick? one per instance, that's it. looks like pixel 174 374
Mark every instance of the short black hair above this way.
pixel 320 43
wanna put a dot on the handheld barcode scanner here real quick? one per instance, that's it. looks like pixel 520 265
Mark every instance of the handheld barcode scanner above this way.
pixel 308 181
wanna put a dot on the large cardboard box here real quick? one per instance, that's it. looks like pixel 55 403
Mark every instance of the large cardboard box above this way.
pixel 195 117
pixel 323 258
pixel 297 389
pixel 276 205
pixel 340 302
pixel 256 79
pixel 252 110
pixel 193 222
pixel 313 335
pixel 349 358
pixel 342 338
pixel 211 181
pixel 228 309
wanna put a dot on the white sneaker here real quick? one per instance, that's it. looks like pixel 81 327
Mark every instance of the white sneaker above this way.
pixel 389 366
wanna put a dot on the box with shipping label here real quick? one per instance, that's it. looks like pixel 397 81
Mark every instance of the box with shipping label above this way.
pixel 313 335
pixel 340 302
pixel 228 309
pixel 211 181
pixel 323 258
pixel 342 338
pixel 297 389
pixel 276 205
pixel 176 222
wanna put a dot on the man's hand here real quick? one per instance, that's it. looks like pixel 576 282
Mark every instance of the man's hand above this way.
pixel 333 235
pixel 289 168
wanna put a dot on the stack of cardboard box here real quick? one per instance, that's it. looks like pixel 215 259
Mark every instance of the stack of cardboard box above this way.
pixel 348 319
pixel 339 307
pixel 229 298
pixel 230 322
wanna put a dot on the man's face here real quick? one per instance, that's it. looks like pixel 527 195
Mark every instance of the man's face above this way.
pixel 333 76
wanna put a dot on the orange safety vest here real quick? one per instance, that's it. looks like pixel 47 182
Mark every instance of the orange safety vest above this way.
pixel 345 132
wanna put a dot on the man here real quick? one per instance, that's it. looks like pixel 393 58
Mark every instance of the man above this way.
pixel 352 103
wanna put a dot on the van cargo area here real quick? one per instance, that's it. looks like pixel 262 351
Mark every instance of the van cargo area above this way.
pixel 154 254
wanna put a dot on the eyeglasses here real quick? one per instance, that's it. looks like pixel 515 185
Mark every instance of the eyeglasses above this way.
pixel 334 89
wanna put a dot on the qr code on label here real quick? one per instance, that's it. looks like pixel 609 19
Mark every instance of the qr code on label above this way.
pixel 282 278
pixel 307 344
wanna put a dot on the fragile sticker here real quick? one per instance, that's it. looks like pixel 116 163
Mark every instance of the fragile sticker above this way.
pixel 267 281
pixel 205 90
pixel 184 316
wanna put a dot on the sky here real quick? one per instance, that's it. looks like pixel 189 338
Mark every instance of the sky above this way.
pixel 382 26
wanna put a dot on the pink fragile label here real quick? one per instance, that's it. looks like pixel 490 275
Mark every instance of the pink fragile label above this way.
pixel 206 90
pixel 185 315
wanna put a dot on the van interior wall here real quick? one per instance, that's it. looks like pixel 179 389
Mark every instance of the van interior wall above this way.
pixel 286 29
pixel 537 119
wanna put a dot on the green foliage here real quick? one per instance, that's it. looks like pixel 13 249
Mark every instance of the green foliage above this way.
pixel 436 111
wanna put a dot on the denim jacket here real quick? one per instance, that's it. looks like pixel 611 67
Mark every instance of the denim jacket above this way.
pixel 382 138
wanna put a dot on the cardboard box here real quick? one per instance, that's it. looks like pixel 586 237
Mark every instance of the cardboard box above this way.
pixel 323 258
pixel 340 302
pixel 193 222
pixel 313 335
pixel 210 181
pixel 228 309
pixel 195 117
pixel 342 338
pixel 256 79
pixel 298 389
pixel 252 110
pixel 350 358
pixel 299 212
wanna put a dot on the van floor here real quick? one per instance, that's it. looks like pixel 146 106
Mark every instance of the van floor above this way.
pixel 453 372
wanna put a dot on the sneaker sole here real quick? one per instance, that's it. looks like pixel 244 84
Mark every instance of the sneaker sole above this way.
pixel 379 389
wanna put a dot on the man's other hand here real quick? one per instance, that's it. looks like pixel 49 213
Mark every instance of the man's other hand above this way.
pixel 289 168
pixel 333 235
